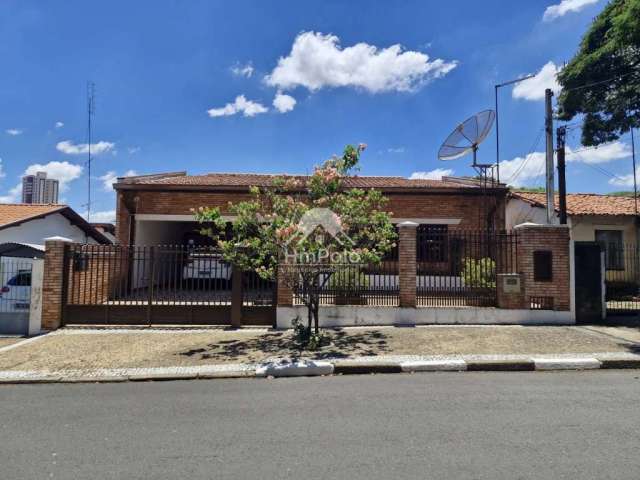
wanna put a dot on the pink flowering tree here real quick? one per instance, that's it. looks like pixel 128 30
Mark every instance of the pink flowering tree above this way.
pixel 307 229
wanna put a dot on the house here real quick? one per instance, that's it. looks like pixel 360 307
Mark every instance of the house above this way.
pixel 31 224
pixel 608 219
pixel 107 229
pixel 156 209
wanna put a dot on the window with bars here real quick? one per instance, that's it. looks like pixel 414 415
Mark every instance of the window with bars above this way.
pixel 432 243
pixel 611 241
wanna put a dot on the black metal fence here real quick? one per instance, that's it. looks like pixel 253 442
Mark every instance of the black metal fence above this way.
pixel 622 281
pixel 346 284
pixel 460 267
pixel 180 282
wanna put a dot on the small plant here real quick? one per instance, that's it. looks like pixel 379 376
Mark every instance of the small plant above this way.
pixel 306 338
pixel 479 273
pixel 348 280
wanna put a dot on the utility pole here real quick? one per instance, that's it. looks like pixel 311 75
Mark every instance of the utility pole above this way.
pixel 548 123
pixel 635 181
pixel 90 112
pixel 562 181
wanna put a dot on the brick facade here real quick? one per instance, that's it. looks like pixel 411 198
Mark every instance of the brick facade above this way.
pixel 471 207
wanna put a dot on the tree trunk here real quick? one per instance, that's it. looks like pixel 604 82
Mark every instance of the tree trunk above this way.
pixel 316 314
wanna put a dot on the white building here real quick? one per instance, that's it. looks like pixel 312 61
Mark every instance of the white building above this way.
pixel 39 189
pixel 31 224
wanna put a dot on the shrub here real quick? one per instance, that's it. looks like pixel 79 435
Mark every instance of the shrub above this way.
pixel 479 273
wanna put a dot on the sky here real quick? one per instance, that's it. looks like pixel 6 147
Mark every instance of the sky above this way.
pixel 278 87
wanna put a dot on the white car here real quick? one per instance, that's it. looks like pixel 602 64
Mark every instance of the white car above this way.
pixel 15 295
pixel 206 265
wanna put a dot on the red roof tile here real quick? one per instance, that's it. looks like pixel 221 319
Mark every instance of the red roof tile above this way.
pixel 585 203
pixel 264 180
pixel 17 212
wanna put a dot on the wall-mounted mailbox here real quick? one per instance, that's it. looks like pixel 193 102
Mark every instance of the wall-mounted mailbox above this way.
pixel 511 283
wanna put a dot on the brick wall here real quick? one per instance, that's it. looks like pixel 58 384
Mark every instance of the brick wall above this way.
pixel 553 238
pixel 470 207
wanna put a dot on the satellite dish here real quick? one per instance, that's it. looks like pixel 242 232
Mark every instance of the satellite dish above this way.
pixel 467 136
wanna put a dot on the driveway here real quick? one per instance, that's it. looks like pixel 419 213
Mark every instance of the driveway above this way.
pixel 443 426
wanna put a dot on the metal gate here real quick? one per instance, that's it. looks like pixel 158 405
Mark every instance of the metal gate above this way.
pixel 145 285
pixel 588 275
pixel 15 295
pixel 459 267
pixel 622 279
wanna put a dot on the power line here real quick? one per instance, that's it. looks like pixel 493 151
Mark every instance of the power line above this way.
pixel 514 176
pixel 594 84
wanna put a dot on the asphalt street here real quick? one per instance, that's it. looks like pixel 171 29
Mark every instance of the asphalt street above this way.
pixel 529 425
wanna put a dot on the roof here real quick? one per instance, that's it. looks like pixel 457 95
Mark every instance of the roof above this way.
pixel 243 181
pixel 11 213
pixel 21 250
pixel 585 203
pixel 14 214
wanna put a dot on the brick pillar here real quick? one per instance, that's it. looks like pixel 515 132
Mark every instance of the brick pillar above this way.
pixel 284 293
pixel 407 263
pixel 555 239
pixel 52 286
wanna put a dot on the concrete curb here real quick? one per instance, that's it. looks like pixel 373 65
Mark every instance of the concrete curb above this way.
pixel 355 367
pixel 567 363
pixel 364 365
pixel 434 366
pixel 302 368
pixel 506 365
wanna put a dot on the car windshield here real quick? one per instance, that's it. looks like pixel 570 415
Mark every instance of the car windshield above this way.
pixel 22 279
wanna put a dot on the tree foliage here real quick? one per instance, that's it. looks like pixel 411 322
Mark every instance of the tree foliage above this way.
pixel 602 81
pixel 270 228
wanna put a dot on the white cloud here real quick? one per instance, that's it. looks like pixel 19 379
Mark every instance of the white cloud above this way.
pixel 515 173
pixel 14 195
pixel 602 154
pixel 436 174
pixel 14 131
pixel 242 70
pixel 565 6
pixel 624 180
pixel 105 216
pixel 248 108
pixel 533 88
pixel 70 148
pixel 64 172
pixel 133 150
pixel 283 102
pixel 396 150
pixel 2 174
pixel 59 124
pixel 109 178
pixel 317 61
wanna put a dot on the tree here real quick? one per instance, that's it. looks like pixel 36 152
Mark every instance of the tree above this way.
pixel 309 228
pixel 602 81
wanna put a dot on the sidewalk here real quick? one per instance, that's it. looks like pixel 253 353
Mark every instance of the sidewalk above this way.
pixel 146 354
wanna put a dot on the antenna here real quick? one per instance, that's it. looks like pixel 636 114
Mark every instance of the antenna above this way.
pixel 467 137
pixel 91 110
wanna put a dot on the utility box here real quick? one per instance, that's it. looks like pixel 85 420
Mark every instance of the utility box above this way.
pixel 510 282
